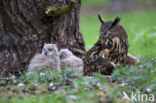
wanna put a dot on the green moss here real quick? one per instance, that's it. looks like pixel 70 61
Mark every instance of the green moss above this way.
pixel 57 11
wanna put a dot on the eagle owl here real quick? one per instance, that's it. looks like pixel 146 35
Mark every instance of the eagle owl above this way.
pixel 70 61
pixel 110 49
pixel 48 58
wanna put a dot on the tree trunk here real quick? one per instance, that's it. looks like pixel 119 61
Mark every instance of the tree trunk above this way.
pixel 25 27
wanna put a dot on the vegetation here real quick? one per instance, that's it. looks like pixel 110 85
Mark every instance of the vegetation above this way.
pixel 69 87
pixel 93 3
pixel 105 2
pixel 140 27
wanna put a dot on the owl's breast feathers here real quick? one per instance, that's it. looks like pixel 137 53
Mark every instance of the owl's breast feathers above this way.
pixel 114 49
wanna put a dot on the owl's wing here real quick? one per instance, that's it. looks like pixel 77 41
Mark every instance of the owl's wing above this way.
pixel 100 65
pixel 92 54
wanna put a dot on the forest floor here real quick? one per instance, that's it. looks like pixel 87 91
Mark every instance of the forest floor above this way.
pixel 70 87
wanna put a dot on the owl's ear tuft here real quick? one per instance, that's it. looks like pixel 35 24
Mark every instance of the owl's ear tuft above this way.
pixel 101 20
pixel 116 21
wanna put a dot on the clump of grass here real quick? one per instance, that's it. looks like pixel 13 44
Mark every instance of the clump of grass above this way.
pixel 139 77
pixel 41 76
pixel 68 86
pixel 74 87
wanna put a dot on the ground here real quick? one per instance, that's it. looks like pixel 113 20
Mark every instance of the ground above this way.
pixel 70 87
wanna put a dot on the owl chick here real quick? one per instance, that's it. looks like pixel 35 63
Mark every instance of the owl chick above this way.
pixel 110 49
pixel 48 58
pixel 70 61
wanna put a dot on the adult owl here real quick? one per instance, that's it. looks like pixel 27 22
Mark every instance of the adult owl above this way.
pixel 109 50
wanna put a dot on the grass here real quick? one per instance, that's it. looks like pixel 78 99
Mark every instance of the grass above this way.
pixel 93 2
pixel 106 2
pixel 70 87
pixel 140 27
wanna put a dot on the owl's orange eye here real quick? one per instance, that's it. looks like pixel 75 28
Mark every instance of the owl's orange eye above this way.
pixel 50 50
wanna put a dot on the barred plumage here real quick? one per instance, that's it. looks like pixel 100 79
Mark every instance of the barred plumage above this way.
pixel 110 49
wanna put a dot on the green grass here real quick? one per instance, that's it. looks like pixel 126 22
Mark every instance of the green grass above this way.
pixel 140 27
pixel 83 89
pixel 141 30
pixel 94 2
pixel 106 2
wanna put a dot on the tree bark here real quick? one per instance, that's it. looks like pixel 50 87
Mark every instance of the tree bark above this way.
pixel 25 27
